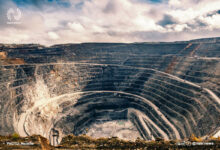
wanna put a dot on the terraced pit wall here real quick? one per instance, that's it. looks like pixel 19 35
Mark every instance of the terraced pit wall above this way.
pixel 146 90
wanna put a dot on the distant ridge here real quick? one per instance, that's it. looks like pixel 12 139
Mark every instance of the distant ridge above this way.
pixel 203 40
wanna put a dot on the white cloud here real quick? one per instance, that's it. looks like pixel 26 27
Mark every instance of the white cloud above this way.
pixel 175 3
pixel 77 27
pixel 180 27
pixel 190 10
pixel 177 27
pixel 212 21
pixel 115 21
pixel 53 35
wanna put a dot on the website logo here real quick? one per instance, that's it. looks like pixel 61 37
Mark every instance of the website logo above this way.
pixel 14 16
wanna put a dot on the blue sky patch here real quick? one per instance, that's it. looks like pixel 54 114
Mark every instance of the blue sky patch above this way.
pixel 151 1
pixel 40 3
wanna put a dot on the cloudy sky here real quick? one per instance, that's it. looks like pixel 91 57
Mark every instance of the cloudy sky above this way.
pixel 74 21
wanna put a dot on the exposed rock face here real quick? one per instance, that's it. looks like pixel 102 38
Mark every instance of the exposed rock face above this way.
pixel 148 90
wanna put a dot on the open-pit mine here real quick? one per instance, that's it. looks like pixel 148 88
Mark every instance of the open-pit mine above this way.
pixel 169 90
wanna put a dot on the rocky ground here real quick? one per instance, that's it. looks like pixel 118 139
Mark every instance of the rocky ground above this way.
pixel 86 142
